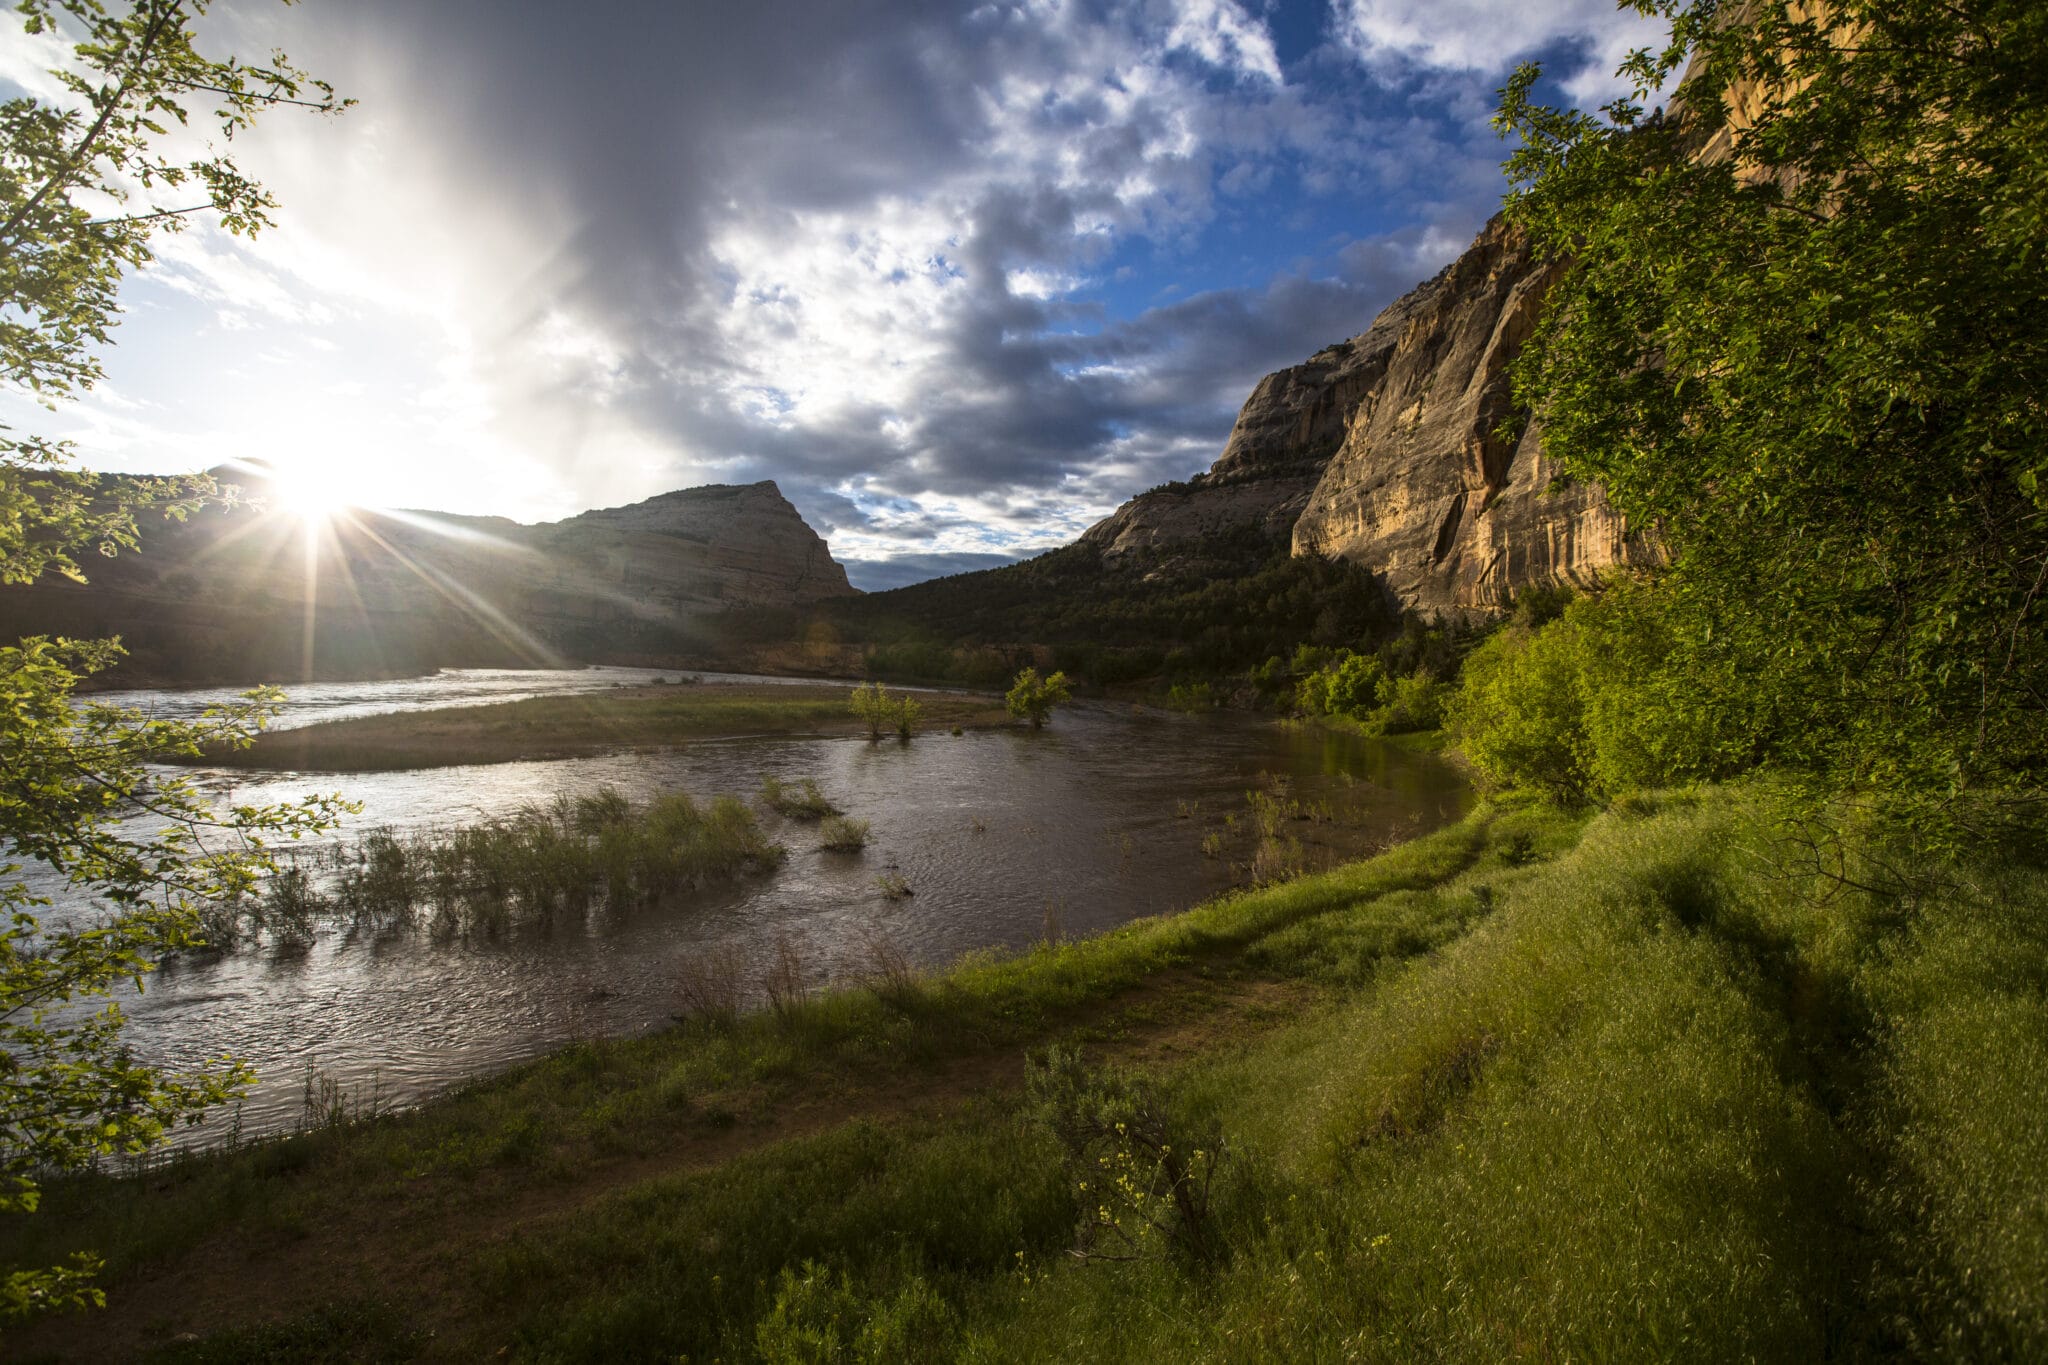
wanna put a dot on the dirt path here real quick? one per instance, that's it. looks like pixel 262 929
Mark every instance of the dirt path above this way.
pixel 412 1248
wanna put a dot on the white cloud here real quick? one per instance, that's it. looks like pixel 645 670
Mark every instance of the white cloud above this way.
pixel 1222 34
pixel 1486 36
pixel 528 277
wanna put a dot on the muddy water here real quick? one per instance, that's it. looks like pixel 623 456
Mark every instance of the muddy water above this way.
pixel 1097 820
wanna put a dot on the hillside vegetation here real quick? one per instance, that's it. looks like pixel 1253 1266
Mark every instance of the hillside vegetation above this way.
pixel 1716 1034
pixel 1644 1088
pixel 1242 600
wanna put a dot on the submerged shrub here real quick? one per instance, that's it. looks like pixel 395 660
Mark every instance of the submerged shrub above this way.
pixel 797 800
pixel 841 835
pixel 531 866
pixel 1032 698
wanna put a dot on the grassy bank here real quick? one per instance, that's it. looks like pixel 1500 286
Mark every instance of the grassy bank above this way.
pixel 1629 1090
pixel 573 726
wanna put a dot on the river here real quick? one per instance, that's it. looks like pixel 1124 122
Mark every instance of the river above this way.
pixel 1002 836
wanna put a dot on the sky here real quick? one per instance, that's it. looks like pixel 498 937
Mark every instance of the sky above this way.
pixel 959 277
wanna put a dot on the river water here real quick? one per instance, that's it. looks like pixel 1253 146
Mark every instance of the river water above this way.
pixel 1001 835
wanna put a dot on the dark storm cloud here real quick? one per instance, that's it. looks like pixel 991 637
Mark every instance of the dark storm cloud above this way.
pixel 643 142
pixel 879 575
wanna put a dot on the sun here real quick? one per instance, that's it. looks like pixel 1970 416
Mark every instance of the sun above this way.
pixel 309 492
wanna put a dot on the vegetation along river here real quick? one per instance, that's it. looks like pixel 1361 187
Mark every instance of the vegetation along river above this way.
pixel 1002 838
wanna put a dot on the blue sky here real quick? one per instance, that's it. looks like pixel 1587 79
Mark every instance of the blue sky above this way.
pixel 959 277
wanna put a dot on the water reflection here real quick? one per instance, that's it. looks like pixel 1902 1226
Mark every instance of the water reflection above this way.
pixel 1102 816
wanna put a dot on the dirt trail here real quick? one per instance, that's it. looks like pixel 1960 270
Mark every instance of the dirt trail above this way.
pixel 411 1249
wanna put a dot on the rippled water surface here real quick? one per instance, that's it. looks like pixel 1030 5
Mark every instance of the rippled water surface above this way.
pixel 1096 820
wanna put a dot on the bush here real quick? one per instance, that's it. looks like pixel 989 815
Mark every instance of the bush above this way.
pixel 841 835
pixel 1348 685
pixel 796 800
pixel 880 711
pixel 1142 1187
pixel 1598 703
pixel 1032 698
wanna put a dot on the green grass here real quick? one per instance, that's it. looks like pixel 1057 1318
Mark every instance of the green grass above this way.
pixel 1525 1087
pixel 533 867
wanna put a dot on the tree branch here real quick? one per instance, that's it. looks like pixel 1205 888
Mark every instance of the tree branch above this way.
pixel 77 158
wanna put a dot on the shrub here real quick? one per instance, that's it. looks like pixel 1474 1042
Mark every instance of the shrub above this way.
pixel 1032 698
pixel 1598 703
pixel 797 800
pixel 1142 1187
pixel 870 704
pixel 841 835
pixel 1347 685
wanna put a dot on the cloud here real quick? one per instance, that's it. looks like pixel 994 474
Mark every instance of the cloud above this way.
pixel 960 278
pixel 879 575
pixel 1477 36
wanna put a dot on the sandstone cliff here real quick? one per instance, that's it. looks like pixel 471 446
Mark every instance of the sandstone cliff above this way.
pixel 1382 450
pixel 253 593
pixel 1284 438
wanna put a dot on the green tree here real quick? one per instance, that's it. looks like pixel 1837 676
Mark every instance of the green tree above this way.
pixel 83 806
pixel 1032 697
pixel 1347 685
pixel 870 704
pixel 1804 335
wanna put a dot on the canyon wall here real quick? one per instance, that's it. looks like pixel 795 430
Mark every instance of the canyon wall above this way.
pixel 1385 450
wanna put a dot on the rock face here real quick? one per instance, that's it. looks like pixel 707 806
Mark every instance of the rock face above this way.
pixel 1284 438
pixel 1382 450
pixel 253 593
pixel 719 546
pixel 1423 490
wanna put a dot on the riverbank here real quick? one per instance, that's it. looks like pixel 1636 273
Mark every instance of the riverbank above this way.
pixel 580 724
pixel 1618 1089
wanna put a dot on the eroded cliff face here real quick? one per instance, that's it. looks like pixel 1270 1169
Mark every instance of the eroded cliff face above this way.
pixel 1282 442
pixel 1424 491
pixel 1383 450
pixel 234 595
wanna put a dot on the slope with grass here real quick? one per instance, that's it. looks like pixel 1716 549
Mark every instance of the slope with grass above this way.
pixel 1638 1089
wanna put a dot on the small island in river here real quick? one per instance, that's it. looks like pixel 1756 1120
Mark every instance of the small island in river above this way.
pixel 580 724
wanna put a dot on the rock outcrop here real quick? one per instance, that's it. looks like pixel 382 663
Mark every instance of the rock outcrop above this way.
pixel 1283 440
pixel 1385 450
pixel 1425 490
pixel 254 593
pixel 723 545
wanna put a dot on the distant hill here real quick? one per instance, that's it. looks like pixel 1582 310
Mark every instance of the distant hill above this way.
pixel 1371 480
pixel 254 593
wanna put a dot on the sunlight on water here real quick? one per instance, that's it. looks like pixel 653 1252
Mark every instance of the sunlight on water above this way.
pixel 1100 817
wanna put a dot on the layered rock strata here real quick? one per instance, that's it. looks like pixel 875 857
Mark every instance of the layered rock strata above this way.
pixel 1387 450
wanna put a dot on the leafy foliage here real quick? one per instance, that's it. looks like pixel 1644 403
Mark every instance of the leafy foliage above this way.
pixel 1244 599
pixel 79 794
pixel 1142 1186
pixel 872 705
pixel 1804 333
pixel 1032 697
pixel 1362 689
